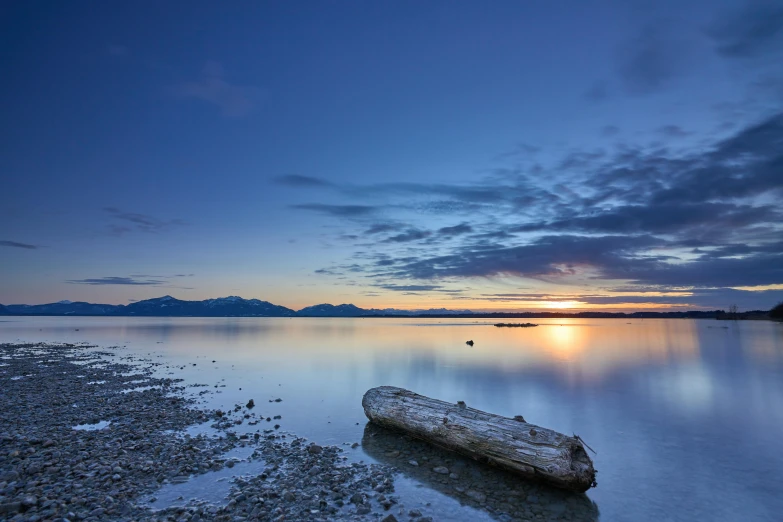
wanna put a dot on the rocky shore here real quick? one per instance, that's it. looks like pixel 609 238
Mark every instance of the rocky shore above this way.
pixel 89 435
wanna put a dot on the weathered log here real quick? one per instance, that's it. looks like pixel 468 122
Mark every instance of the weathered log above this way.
pixel 512 444
pixel 472 482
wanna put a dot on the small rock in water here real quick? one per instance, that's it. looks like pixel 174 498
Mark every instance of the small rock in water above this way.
pixel 469 343
pixel 443 470
pixel 413 463
pixel 314 449
pixel 390 518
pixel 250 404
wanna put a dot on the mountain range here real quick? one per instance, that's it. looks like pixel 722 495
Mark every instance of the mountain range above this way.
pixel 234 306
pixel 231 306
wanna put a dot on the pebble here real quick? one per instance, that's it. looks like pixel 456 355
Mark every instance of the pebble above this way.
pixel 49 471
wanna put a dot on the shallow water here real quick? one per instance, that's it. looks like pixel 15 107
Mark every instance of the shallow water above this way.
pixel 93 427
pixel 685 416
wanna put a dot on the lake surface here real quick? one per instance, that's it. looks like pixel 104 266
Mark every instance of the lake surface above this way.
pixel 685 416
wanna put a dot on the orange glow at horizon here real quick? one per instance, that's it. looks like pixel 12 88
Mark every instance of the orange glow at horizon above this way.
pixel 562 305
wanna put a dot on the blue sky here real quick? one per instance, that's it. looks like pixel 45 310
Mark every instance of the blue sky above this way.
pixel 603 155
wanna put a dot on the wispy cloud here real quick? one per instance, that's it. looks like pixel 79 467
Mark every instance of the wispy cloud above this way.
pixel 412 234
pixel 653 58
pixel 756 29
pixel 16 244
pixel 673 131
pixel 338 210
pixel 644 215
pixel 130 221
pixel 379 228
pixel 410 288
pixel 162 281
pixel 212 87
pixel 456 230
pixel 597 92
pixel 296 180
pixel 117 281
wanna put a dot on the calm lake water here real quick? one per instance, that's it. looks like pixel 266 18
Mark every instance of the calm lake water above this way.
pixel 686 416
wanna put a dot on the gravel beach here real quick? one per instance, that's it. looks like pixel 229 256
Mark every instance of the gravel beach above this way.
pixel 94 434
pixel 87 434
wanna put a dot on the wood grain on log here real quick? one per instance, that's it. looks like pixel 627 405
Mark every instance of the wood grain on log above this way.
pixel 512 444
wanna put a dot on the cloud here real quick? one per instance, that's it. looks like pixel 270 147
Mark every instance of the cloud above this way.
pixel 653 58
pixel 462 228
pixel 212 87
pixel 673 131
pixel 410 288
pixel 711 298
pixel 382 227
pixel 644 216
pixel 545 258
pixel 117 281
pixel 755 30
pixel 663 218
pixel 326 271
pixel 409 235
pixel 16 244
pixel 597 92
pixel 140 222
pixel 610 130
pixel 295 180
pixel 150 276
pixel 344 211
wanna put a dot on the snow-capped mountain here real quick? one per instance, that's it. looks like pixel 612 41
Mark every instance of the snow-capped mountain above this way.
pixel 220 307
pixel 231 306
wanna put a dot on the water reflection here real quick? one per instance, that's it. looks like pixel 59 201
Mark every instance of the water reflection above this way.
pixel 682 413
pixel 497 493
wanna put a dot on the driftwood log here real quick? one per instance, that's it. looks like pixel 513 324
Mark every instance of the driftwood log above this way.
pixel 512 444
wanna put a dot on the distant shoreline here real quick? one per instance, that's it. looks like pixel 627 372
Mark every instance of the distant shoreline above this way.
pixel 717 315
pixel 234 306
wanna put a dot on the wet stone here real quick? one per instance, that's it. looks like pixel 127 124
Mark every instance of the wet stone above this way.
pixel 50 471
